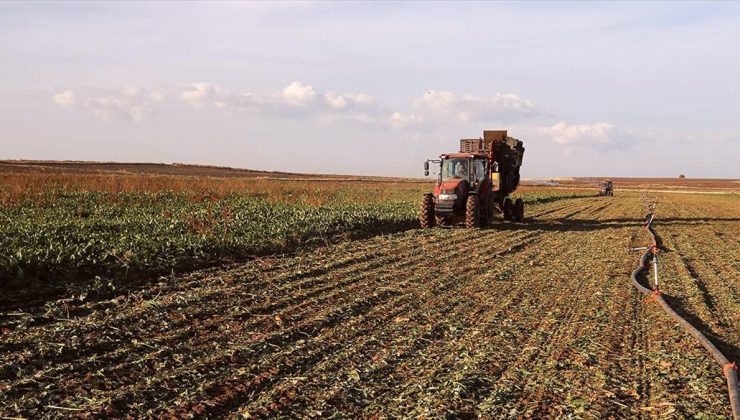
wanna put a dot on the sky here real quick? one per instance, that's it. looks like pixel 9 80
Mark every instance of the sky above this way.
pixel 592 88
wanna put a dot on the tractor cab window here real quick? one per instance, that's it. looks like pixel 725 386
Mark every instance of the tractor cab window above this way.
pixel 479 170
pixel 455 169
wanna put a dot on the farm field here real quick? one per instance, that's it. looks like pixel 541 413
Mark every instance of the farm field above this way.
pixel 61 235
pixel 102 231
pixel 116 168
pixel 536 319
pixel 675 185
pixel 173 169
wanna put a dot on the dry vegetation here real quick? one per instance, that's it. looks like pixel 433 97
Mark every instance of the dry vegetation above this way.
pixel 660 184
pixel 536 319
pixel 175 169
pixel 16 188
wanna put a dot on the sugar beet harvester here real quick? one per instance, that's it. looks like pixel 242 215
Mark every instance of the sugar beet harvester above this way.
pixel 606 188
pixel 475 183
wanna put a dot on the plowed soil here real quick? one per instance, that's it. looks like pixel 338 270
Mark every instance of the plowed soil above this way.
pixel 536 319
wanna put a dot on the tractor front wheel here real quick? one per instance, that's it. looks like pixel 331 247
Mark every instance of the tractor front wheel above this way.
pixel 518 210
pixel 472 212
pixel 426 211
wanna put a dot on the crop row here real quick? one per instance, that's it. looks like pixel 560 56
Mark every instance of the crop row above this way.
pixel 86 233
pixel 534 320
pixel 60 236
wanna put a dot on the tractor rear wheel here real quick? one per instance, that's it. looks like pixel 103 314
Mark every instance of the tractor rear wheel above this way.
pixel 518 210
pixel 426 212
pixel 508 209
pixel 472 212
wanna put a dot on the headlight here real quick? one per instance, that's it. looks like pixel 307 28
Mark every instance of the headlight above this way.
pixel 448 196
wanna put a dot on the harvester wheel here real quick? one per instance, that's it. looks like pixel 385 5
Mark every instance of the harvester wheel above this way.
pixel 472 212
pixel 508 209
pixel 518 210
pixel 426 211
pixel 486 215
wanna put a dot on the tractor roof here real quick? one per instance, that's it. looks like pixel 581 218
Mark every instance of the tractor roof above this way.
pixel 463 155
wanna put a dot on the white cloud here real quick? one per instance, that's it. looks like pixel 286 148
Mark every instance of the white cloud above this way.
pixel 296 100
pixel 133 104
pixel 334 100
pixel 562 133
pixel 157 96
pixel 466 108
pixel 295 95
pixel 351 102
pixel 202 94
pixel 137 113
pixel 298 93
pixel 66 98
pixel 104 101
pixel 601 135
pixel 130 91
pixel 439 100
pixel 101 114
pixel 399 120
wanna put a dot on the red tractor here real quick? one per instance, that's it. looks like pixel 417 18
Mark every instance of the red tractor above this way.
pixel 474 184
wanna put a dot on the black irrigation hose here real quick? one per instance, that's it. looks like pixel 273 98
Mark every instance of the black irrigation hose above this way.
pixel 729 369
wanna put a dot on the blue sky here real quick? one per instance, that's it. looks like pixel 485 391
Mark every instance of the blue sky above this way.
pixel 594 89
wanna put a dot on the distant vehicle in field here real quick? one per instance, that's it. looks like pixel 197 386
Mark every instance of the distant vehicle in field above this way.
pixel 607 188
pixel 474 183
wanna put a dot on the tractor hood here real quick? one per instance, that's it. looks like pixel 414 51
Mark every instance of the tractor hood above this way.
pixel 452 186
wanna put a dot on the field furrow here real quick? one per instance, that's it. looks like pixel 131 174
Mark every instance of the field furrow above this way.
pixel 535 319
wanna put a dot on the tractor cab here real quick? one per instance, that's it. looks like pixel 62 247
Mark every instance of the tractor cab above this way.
pixel 461 174
pixel 472 168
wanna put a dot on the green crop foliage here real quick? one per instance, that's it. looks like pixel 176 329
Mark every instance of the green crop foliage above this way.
pixel 68 235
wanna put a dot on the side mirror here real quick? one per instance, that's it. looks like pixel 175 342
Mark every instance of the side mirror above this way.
pixel 426 166
pixel 426 172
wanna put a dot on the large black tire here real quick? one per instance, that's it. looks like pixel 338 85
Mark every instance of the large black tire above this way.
pixel 518 210
pixel 486 213
pixel 472 212
pixel 508 209
pixel 426 212
pixel 492 209
pixel 441 220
